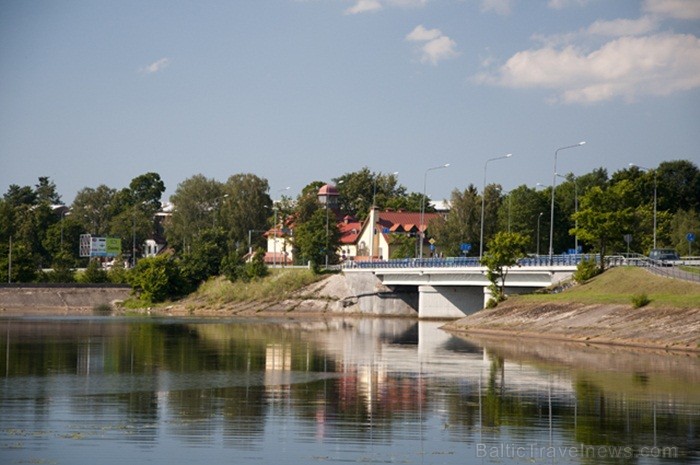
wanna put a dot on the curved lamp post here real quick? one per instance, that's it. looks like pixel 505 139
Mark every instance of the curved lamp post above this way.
pixel 654 171
pixel 573 179
pixel 554 185
pixel 483 202
pixel 422 206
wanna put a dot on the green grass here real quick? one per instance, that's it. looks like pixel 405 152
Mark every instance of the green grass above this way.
pixel 620 285
pixel 691 269
pixel 278 285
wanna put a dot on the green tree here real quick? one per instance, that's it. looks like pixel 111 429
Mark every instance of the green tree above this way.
pixel 318 239
pixel 461 224
pixel 519 212
pixel 402 245
pixel 504 251
pixel 156 279
pixel 94 273
pixel 685 222
pixel 359 190
pixel 605 216
pixel 256 268
pixel 92 207
pixel 195 201
pixel 246 207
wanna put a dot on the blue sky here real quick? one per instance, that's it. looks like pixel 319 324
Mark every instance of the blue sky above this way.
pixel 99 92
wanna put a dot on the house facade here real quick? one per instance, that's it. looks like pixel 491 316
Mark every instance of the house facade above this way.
pixel 377 238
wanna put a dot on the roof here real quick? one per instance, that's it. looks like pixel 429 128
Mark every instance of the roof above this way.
pixel 398 221
pixel 328 190
pixel 349 231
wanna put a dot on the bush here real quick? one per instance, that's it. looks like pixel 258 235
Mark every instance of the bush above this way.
pixel 156 279
pixel 640 300
pixel 586 269
pixel 93 273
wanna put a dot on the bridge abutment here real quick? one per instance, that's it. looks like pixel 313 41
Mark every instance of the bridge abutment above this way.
pixel 449 301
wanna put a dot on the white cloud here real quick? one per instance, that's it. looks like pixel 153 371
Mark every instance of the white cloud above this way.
pixel 627 67
pixel 435 46
pixel 364 6
pixel 677 9
pixel 501 7
pixel 156 66
pixel 623 27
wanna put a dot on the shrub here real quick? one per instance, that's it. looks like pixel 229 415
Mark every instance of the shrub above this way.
pixel 156 279
pixel 640 300
pixel 586 269
pixel 93 273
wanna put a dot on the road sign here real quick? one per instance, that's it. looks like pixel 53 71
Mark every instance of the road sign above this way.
pixel 690 236
pixel 628 238
pixel 465 247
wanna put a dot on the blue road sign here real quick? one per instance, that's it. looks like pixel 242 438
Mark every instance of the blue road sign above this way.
pixel 690 237
pixel 465 247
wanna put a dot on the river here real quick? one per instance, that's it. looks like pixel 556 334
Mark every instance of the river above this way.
pixel 113 390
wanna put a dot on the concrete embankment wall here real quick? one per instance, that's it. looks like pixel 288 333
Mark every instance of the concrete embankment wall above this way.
pixel 374 298
pixel 58 298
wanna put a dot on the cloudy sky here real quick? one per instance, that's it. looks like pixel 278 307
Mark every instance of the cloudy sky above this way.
pixel 99 92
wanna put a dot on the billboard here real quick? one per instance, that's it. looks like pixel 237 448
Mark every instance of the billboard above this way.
pixel 99 246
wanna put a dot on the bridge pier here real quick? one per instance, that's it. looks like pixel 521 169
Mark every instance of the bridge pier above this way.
pixel 449 301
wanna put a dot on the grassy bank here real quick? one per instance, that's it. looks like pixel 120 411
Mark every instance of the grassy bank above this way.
pixel 620 285
pixel 277 286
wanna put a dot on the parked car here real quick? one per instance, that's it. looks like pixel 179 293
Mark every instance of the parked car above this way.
pixel 664 257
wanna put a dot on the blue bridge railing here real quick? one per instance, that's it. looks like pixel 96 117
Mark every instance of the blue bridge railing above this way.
pixel 464 262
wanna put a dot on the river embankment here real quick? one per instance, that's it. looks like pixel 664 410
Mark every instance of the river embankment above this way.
pixel 59 299
pixel 601 311
pixel 652 327
pixel 578 314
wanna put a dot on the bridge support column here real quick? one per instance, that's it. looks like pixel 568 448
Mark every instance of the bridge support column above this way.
pixel 448 301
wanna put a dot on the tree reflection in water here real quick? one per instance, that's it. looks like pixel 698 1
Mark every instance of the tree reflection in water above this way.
pixel 340 389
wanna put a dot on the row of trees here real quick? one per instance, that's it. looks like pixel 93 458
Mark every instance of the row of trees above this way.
pixel 216 223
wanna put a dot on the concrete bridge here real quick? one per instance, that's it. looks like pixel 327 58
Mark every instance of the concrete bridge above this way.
pixel 448 288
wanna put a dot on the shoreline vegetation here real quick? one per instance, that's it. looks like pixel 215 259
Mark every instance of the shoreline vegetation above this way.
pixel 622 306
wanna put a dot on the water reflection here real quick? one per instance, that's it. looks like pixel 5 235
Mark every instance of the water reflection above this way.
pixel 249 391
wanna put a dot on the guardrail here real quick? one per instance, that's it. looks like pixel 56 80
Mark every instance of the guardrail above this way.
pixel 667 268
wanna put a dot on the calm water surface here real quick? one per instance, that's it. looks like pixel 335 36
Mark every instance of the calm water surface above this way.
pixel 113 391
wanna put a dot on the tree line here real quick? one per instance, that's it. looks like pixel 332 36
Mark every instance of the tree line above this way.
pixel 216 224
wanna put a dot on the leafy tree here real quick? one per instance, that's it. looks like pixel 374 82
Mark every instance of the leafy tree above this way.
pixel 195 200
pixel 203 259
pixel 147 190
pixel 246 207
pixel 94 273
pixel 605 216
pixel 156 279
pixel 92 207
pixel 410 202
pixel 46 192
pixel 257 267
pixel 685 222
pixel 504 251
pixel 361 189
pixel 520 209
pixel 462 223
pixel 678 186
pixel 402 245
pixel 233 266
pixel 318 239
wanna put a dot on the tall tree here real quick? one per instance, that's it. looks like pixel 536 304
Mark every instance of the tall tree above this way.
pixel 196 200
pixel 246 207
pixel 93 208
pixel 462 223
pixel 318 239
pixel 605 216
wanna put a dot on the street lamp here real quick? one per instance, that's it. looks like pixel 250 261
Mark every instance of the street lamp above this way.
pixel 538 232
pixel 421 234
pixel 483 202
pixel 654 171
pixel 554 185
pixel 573 179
